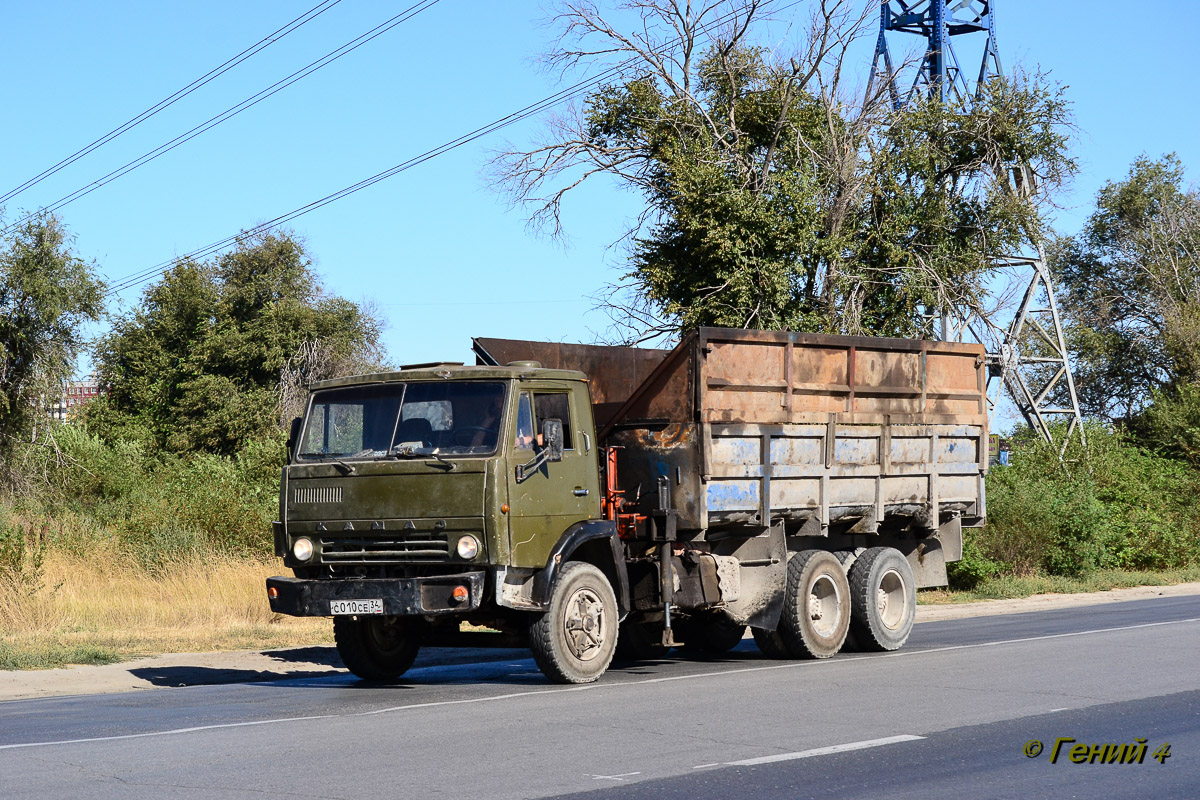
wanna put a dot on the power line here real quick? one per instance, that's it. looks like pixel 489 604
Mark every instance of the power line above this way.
pixel 467 138
pixel 232 111
pixel 545 103
pixel 216 72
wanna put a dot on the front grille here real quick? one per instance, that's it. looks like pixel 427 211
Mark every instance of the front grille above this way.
pixel 317 494
pixel 417 546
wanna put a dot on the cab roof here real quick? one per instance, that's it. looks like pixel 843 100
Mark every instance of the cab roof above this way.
pixel 442 372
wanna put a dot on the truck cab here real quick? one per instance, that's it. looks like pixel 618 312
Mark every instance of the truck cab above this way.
pixel 417 500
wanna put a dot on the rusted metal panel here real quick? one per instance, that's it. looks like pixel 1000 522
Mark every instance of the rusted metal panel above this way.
pixel 800 426
pixel 614 373
pixel 668 451
pixel 667 394
pixel 778 377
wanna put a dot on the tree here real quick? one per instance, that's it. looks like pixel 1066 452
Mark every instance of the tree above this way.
pixel 47 293
pixel 1130 289
pixel 200 363
pixel 773 199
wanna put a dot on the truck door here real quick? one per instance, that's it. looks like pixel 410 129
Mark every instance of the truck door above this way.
pixel 558 494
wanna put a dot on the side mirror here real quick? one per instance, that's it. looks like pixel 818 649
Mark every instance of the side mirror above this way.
pixel 294 437
pixel 552 433
pixel 551 449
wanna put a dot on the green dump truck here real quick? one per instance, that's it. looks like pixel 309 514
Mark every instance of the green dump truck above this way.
pixel 588 501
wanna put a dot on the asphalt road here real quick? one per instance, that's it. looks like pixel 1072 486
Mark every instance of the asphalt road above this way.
pixel 948 715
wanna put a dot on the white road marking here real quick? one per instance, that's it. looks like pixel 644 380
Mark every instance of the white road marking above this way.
pixel 1056 710
pixel 172 732
pixel 618 778
pixel 824 751
pixel 706 766
pixel 610 686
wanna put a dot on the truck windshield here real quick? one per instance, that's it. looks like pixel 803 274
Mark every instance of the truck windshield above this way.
pixel 399 420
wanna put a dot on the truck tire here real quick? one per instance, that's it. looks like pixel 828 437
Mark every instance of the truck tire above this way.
pixel 639 640
pixel 816 606
pixel 710 633
pixel 848 557
pixel 376 648
pixel 770 644
pixel 885 599
pixel 573 640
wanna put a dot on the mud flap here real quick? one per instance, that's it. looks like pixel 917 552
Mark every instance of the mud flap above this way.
pixel 763 567
pixel 928 561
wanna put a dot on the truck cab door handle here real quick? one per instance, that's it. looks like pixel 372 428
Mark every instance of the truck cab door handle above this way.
pixel 581 492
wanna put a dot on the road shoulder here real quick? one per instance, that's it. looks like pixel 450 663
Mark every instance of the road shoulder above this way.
pixel 193 669
pixel 1045 602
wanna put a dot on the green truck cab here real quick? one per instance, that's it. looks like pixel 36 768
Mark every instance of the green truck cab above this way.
pixel 417 500
pixel 586 500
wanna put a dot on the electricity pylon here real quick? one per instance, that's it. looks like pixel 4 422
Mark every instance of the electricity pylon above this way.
pixel 1030 356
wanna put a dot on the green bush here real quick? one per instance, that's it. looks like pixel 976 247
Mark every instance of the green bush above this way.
pixel 976 566
pixel 159 507
pixel 1107 504
pixel 22 555
pixel 1171 424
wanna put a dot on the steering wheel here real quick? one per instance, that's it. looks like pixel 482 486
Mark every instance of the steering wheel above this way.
pixel 465 441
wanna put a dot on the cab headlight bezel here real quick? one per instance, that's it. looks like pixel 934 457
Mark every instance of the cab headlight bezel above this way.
pixel 303 549
pixel 467 547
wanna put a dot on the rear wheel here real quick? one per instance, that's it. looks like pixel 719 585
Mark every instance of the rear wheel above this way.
pixel 573 640
pixel 885 599
pixel 816 609
pixel 376 648
pixel 770 643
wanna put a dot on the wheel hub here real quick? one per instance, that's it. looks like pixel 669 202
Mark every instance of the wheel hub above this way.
pixel 585 624
pixel 891 599
pixel 824 606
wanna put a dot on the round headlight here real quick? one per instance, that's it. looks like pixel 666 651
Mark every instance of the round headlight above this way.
pixel 468 547
pixel 302 549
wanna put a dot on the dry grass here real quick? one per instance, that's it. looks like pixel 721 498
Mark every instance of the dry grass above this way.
pixel 103 610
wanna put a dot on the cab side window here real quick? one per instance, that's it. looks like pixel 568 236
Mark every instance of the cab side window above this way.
pixel 524 439
pixel 554 405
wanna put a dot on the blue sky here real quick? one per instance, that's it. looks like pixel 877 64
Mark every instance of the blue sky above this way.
pixel 439 252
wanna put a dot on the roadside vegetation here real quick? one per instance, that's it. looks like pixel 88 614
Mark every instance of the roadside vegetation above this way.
pixel 1110 504
pixel 1127 499
pixel 776 196
pixel 143 525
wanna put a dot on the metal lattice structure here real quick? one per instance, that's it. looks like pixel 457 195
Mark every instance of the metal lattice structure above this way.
pixel 937 21
pixel 1030 356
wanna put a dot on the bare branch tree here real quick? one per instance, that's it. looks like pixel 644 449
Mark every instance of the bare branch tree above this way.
pixel 776 193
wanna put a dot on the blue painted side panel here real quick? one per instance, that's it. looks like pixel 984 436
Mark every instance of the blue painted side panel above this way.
pixel 733 495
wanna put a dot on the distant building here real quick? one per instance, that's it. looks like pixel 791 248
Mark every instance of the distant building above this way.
pixel 998 450
pixel 76 395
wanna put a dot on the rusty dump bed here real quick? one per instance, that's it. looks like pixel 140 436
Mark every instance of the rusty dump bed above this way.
pixel 750 428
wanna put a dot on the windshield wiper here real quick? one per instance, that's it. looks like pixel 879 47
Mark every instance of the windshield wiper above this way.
pixel 349 468
pixel 443 459
pixel 411 452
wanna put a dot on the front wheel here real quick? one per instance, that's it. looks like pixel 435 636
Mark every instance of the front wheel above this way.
pixel 376 648
pixel 573 640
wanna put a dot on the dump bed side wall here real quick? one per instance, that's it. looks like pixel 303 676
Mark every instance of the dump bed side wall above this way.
pixel 776 425
pixel 614 373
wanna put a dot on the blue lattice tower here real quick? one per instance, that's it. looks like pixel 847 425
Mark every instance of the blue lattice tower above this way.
pixel 938 21
pixel 1030 355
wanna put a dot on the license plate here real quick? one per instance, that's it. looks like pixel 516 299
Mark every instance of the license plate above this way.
pixel 341 607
